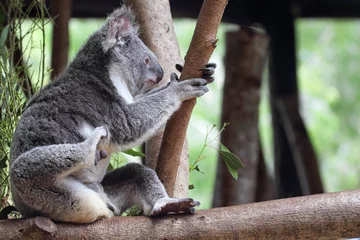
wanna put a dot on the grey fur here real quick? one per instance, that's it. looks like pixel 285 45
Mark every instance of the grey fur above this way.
pixel 103 101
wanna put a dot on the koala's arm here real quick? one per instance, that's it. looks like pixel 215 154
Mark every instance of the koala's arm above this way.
pixel 148 113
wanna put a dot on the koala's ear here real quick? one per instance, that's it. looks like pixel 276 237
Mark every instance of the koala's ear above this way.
pixel 119 24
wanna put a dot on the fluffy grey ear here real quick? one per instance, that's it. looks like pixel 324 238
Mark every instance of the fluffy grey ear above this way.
pixel 119 24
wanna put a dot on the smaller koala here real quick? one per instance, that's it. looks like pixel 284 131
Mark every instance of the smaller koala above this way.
pixel 103 103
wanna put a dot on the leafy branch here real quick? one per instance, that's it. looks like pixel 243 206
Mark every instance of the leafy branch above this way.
pixel 232 162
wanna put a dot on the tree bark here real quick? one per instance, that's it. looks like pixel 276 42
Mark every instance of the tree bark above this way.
pixel 330 216
pixel 157 32
pixel 200 50
pixel 245 59
pixel 61 12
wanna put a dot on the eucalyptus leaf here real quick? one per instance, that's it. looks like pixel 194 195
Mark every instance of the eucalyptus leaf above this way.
pixel 134 153
pixel 232 162
pixel 224 148
pixel 3 36
pixel 233 172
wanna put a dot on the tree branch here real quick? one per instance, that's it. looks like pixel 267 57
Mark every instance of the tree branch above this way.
pixel 157 32
pixel 200 50
pixel 331 215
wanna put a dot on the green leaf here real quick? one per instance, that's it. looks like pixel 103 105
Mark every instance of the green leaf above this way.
pixel 134 153
pixel 224 148
pixel 233 172
pixel 232 162
pixel 191 186
pixel 3 36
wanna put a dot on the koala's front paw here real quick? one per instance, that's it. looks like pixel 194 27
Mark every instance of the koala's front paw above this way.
pixel 207 71
pixel 188 89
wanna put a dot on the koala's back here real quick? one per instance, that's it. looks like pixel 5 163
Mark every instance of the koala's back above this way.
pixel 56 113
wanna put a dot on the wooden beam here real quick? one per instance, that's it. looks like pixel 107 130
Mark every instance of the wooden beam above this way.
pixel 326 216
pixel 282 81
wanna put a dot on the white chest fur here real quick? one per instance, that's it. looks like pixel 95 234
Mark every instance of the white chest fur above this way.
pixel 121 87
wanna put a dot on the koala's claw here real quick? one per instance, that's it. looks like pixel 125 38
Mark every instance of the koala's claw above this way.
pixel 179 67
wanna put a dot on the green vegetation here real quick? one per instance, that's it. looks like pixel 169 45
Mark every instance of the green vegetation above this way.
pixel 328 60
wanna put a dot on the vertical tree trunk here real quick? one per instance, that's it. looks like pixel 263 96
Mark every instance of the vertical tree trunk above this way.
pixel 61 12
pixel 157 32
pixel 200 50
pixel 245 59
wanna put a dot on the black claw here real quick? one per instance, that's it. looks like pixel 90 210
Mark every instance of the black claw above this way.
pixel 207 72
pixel 210 65
pixel 179 67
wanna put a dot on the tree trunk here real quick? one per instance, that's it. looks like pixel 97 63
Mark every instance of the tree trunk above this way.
pixel 265 187
pixel 326 216
pixel 245 59
pixel 61 12
pixel 157 32
pixel 200 50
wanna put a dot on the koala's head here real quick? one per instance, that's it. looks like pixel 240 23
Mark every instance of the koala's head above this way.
pixel 130 59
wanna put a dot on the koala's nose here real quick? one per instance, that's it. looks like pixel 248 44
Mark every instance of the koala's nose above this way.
pixel 159 74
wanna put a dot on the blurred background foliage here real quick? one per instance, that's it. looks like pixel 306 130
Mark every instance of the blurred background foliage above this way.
pixel 328 71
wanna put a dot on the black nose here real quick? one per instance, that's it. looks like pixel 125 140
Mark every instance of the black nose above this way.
pixel 159 74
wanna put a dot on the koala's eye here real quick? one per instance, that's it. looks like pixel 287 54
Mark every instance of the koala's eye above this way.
pixel 147 60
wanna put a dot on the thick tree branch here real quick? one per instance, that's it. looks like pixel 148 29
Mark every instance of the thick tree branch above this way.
pixel 200 50
pixel 157 32
pixel 331 215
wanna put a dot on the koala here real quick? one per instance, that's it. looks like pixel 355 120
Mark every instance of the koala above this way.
pixel 103 103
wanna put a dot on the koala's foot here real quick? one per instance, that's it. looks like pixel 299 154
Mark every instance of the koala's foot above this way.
pixel 174 205
pixel 99 134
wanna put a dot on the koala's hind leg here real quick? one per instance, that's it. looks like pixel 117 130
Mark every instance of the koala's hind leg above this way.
pixel 135 184
pixel 42 182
